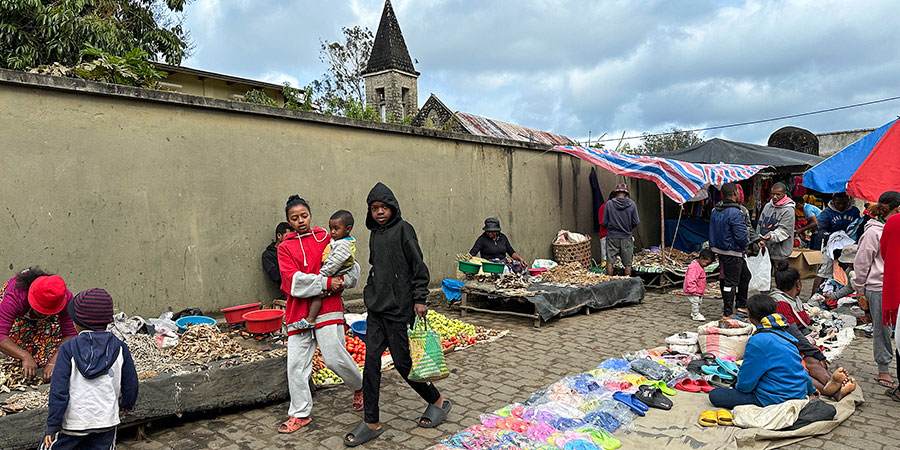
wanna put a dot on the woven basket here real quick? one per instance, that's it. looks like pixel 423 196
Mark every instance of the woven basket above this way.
pixel 568 253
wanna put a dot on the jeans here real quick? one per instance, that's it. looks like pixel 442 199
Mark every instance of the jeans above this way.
pixel 729 398
pixel 382 333
pixel 734 282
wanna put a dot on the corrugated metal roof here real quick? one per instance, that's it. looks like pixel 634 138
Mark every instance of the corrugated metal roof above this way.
pixel 484 126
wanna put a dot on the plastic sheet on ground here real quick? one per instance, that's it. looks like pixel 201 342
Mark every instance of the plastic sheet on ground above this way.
pixel 604 295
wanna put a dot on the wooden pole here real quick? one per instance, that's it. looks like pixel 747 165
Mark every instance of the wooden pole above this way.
pixel 662 227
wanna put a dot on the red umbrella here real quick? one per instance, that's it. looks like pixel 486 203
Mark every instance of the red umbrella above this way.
pixel 880 171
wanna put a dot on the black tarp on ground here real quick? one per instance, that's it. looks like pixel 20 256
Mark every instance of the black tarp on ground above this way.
pixel 716 151
pixel 603 295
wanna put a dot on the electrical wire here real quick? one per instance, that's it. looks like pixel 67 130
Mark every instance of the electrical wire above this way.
pixel 754 122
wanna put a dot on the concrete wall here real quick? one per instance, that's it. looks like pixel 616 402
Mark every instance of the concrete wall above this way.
pixel 831 143
pixel 168 200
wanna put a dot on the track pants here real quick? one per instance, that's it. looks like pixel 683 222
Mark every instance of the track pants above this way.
pixel 91 441
pixel 734 282
pixel 301 348
pixel 383 333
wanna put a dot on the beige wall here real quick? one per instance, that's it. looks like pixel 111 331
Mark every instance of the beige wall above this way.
pixel 169 205
pixel 209 87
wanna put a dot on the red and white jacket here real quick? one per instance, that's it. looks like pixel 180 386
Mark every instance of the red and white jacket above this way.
pixel 299 260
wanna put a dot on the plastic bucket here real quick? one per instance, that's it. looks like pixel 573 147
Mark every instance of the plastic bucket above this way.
pixel 184 322
pixel 359 329
pixel 467 267
pixel 264 320
pixel 235 314
pixel 490 267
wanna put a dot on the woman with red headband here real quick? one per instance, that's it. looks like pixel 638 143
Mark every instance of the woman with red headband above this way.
pixel 34 321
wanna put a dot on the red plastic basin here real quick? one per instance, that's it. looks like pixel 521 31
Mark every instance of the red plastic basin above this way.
pixel 235 314
pixel 264 320
pixel 536 272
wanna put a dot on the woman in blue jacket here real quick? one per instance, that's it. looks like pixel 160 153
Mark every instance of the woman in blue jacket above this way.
pixel 772 371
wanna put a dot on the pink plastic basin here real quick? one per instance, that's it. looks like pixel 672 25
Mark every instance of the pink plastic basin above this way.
pixel 264 320
pixel 235 314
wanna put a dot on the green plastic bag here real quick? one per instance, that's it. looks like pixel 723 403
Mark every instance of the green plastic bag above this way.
pixel 426 353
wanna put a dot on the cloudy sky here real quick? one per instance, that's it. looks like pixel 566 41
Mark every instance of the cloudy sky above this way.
pixel 601 66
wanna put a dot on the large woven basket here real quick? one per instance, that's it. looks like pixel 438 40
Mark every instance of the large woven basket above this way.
pixel 568 253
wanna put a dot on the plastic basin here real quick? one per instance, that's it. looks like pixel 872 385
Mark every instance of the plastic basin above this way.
pixel 467 267
pixel 490 267
pixel 537 271
pixel 235 314
pixel 186 321
pixel 264 320
pixel 359 329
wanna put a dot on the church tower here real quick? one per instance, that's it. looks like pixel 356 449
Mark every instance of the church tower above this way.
pixel 391 79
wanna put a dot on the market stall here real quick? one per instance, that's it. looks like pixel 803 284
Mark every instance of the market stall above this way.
pixel 559 291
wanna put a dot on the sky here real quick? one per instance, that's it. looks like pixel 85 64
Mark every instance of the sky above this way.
pixel 594 68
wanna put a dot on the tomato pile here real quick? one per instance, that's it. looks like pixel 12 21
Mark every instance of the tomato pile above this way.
pixel 357 349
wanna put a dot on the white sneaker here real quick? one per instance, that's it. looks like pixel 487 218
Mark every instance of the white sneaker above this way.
pixel 698 317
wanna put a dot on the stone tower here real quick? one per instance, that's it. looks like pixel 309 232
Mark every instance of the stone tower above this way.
pixel 391 86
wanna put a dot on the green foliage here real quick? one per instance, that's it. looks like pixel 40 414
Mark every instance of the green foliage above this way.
pixel 341 91
pixel 133 69
pixel 43 32
pixel 669 141
pixel 406 120
pixel 356 110
pixel 259 97
pixel 297 99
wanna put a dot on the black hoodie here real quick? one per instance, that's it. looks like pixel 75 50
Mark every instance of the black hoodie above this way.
pixel 398 278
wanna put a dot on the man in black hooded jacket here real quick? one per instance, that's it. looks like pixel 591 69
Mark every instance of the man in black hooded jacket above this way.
pixel 396 292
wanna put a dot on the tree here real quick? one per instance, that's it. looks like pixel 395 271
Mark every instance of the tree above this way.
pixel 44 32
pixel 669 141
pixel 342 88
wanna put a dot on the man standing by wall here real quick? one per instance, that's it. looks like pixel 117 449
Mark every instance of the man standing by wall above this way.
pixel 620 218
pixel 728 238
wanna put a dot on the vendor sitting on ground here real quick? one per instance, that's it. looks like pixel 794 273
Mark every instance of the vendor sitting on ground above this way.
pixel 787 296
pixel 34 321
pixel 494 246
pixel 772 371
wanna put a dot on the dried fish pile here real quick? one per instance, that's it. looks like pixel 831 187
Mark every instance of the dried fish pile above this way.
pixel 12 378
pixel 512 281
pixel 25 401
pixel 712 290
pixel 150 360
pixel 205 343
pixel 574 274
pixel 674 258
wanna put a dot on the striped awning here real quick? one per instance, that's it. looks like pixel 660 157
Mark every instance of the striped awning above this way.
pixel 679 180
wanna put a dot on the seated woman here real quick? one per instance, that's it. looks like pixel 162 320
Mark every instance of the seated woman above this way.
pixel 786 294
pixel 34 321
pixel 494 246
pixel 772 371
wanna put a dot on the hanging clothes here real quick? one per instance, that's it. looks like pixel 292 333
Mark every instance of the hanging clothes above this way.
pixel 596 198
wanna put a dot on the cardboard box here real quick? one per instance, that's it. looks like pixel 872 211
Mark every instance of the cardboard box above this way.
pixel 806 261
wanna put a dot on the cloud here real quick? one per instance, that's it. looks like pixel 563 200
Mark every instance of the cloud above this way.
pixel 572 66
pixel 279 78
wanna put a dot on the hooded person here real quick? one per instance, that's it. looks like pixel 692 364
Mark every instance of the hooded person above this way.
pixel 94 377
pixel 728 238
pixel 776 223
pixel 620 217
pixel 396 291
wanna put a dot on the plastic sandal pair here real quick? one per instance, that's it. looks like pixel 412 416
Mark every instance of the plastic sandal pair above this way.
pixel 689 385
pixel 602 438
pixel 602 419
pixel 725 370
pixel 630 400
pixel 653 397
pixel 715 418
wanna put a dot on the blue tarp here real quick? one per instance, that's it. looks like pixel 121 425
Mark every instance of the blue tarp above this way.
pixel 452 288
pixel 832 175
pixel 692 233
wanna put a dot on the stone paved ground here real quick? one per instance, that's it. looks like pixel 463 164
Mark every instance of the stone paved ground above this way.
pixel 489 376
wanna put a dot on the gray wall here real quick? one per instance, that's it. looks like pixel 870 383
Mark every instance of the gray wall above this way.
pixel 167 200
pixel 831 143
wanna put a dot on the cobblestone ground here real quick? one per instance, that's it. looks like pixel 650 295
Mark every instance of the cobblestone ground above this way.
pixel 489 376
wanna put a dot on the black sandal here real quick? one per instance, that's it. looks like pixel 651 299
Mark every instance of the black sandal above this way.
pixel 894 394
pixel 362 434
pixel 435 415
pixel 653 397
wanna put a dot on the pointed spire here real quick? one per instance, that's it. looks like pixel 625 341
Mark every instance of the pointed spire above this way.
pixel 389 49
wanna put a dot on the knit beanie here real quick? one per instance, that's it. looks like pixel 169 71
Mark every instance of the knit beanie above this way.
pixel 92 309
pixel 47 295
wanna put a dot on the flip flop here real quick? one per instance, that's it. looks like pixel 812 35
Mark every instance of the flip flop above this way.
pixel 725 418
pixel 687 385
pixel 894 394
pixel 653 397
pixel 728 366
pixel 361 434
pixel 602 438
pixel 886 383
pixel 718 371
pixel 629 400
pixel 663 387
pixel 708 419
pixel 435 415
